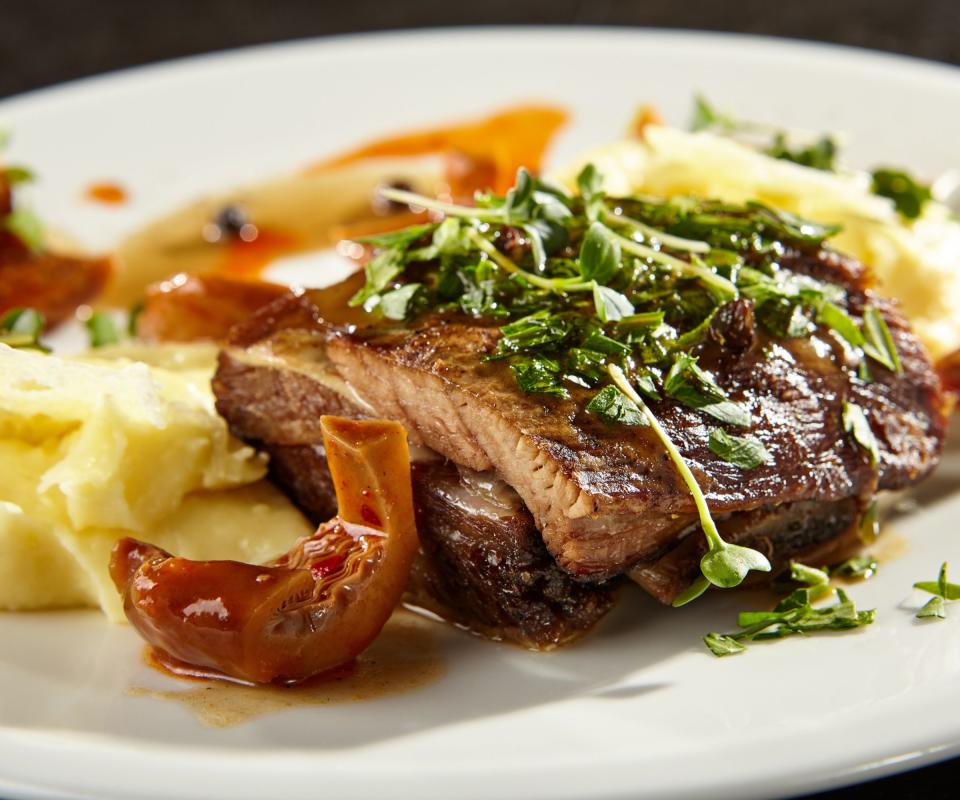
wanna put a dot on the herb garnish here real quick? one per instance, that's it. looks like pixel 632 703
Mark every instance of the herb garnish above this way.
pixel 21 328
pixel 907 194
pixel 855 423
pixel 724 564
pixel 102 329
pixel 793 615
pixel 878 342
pixel 19 221
pixel 743 451
pixel 942 590
pixel 862 567
pixel 607 301
pixel 820 154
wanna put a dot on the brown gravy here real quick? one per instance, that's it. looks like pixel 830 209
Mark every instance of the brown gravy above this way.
pixel 404 657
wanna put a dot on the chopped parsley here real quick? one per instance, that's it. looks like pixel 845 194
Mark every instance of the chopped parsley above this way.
pixel 794 615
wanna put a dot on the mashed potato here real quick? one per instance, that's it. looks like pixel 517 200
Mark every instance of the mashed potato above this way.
pixel 918 263
pixel 102 446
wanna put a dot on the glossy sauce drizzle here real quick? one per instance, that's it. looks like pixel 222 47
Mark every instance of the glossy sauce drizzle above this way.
pixel 405 657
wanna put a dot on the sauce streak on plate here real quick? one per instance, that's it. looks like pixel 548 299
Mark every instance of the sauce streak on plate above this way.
pixel 404 657
pixel 107 193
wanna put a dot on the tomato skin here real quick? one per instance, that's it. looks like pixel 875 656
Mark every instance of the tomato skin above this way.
pixel 313 609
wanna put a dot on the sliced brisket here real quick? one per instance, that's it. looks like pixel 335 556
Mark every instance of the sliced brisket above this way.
pixel 606 498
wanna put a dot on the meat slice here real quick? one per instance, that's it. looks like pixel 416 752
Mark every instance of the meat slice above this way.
pixel 805 531
pixel 482 565
pixel 606 498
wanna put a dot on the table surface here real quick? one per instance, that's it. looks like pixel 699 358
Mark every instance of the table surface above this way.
pixel 49 41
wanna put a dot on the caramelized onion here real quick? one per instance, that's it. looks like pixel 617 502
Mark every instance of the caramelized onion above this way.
pixel 311 610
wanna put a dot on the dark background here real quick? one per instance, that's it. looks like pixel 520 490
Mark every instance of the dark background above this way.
pixel 46 41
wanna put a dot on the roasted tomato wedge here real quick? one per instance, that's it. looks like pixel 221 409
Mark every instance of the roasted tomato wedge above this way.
pixel 313 609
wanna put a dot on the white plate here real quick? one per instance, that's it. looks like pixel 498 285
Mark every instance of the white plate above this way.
pixel 637 709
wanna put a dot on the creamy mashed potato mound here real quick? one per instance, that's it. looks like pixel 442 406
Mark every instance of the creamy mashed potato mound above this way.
pixel 102 446
pixel 915 262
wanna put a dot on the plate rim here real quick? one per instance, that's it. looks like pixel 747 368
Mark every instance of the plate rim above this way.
pixel 293 48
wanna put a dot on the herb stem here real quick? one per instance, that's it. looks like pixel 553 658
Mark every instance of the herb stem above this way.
pixel 706 520
pixel 721 286
pixel 648 232
pixel 558 285
pixel 449 209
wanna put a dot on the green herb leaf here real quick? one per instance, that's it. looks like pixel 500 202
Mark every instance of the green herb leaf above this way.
pixel 744 452
pixel 538 376
pixel 808 575
pixel 449 238
pixel 940 587
pixel 613 405
pixel 819 155
pixel 26 226
pixel 692 592
pixel 696 335
pixel 599 255
pixel 401 238
pixel 604 344
pixel 396 303
pixel 722 645
pixel 380 271
pixel 878 343
pixel 706 117
pixel 519 197
pixel 727 567
pixel 133 318
pixel 648 320
pixel 17 174
pixel 590 185
pixel 933 609
pixel 863 567
pixel 693 387
pixel 532 332
pixel 855 423
pixel 795 615
pixel 792 227
pixel 610 304
pixel 907 194
pixel 837 319
pixel 102 329
pixel 21 328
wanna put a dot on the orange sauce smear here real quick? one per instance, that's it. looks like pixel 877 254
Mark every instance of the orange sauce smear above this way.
pixel 107 193
pixel 502 143
pixel 248 259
